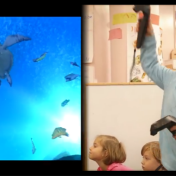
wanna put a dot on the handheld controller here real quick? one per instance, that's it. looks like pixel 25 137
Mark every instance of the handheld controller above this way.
pixel 166 122
pixel 143 22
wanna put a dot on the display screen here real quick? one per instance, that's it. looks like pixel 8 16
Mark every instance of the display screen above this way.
pixel 40 88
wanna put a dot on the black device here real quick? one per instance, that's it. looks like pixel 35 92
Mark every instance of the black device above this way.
pixel 166 122
pixel 143 23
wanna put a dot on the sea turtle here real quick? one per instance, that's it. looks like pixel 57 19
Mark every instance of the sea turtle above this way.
pixel 6 57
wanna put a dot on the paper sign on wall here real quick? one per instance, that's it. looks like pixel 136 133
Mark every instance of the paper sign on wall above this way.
pixel 154 18
pixel 122 18
pixel 138 74
pixel 115 34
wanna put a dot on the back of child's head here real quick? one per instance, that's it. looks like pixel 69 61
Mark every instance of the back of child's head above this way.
pixel 115 150
pixel 154 148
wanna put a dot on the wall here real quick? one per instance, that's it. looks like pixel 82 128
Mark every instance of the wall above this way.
pixel 167 24
pixel 107 68
pixel 119 46
pixel 101 62
pixel 124 111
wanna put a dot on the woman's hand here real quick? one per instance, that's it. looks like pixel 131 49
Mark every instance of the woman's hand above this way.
pixel 149 29
pixel 173 129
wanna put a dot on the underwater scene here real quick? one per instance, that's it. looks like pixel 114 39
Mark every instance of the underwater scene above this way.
pixel 40 88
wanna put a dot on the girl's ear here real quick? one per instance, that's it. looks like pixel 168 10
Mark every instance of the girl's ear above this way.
pixel 105 153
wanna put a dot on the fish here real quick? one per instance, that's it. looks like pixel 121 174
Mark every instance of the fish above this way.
pixel 40 58
pixel 64 103
pixel 74 64
pixel 58 132
pixel 33 147
pixel 71 77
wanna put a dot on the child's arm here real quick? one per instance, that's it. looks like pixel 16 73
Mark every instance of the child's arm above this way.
pixel 159 74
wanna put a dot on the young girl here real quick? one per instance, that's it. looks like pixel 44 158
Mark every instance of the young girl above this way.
pixel 151 157
pixel 108 153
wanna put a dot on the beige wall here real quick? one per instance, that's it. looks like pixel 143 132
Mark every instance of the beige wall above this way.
pixel 106 65
pixel 167 24
pixel 101 45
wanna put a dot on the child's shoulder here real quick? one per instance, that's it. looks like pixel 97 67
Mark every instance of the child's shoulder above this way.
pixel 118 167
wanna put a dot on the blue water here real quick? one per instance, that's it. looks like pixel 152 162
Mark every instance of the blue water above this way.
pixel 31 108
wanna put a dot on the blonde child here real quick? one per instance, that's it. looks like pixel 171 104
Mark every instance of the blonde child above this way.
pixel 109 154
pixel 152 157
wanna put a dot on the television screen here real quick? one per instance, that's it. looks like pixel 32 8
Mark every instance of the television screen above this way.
pixel 40 88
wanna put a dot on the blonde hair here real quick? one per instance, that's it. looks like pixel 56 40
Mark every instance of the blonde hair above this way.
pixel 154 148
pixel 115 150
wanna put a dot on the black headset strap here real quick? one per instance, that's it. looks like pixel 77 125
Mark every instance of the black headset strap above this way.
pixel 133 64
pixel 158 168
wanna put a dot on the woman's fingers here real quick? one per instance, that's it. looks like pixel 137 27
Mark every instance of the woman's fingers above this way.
pixel 149 28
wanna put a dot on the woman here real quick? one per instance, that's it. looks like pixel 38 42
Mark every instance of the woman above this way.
pixel 166 80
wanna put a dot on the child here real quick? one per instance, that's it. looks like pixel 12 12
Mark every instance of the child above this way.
pixel 108 153
pixel 152 157
pixel 166 80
